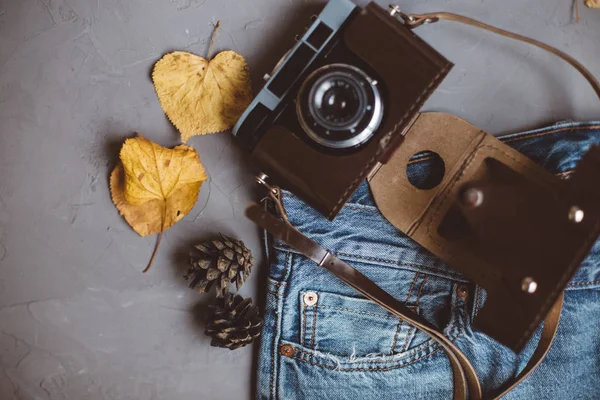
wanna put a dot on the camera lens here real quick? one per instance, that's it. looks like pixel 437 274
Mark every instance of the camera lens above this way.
pixel 339 106
pixel 337 101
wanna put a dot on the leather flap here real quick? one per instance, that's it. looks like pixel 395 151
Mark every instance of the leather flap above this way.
pixel 522 243
pixel 450 137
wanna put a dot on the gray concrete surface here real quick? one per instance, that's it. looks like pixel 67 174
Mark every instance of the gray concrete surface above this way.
pixel 78 319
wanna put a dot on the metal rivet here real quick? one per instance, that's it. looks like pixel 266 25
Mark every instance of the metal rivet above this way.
pixel 287 350
pixel 310 298
pixel 472 197
pixel 262 178
pixel 528 285
pixel 462 291
pixel 393 10
pixel 266 77
pixel 576 214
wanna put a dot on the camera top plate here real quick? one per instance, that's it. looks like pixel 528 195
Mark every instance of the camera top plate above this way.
pixel 299 58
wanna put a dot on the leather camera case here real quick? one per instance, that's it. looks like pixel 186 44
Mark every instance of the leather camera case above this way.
pixel 524 229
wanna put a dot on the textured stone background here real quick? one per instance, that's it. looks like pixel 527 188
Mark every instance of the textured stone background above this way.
pixel 78 320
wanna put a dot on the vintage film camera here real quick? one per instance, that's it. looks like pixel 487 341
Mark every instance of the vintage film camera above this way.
pixel 343 106
pixel 338 103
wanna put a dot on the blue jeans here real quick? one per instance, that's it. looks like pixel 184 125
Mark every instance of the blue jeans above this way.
pixel 322 340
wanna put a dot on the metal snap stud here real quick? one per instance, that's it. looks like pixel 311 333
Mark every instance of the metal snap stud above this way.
pixel 287 350
pixel 462 291
pixel 472 197
pixel 576 214
pixel 310 298
pixel 528 285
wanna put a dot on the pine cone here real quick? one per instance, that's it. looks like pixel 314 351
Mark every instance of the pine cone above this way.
pixel 221 261
pixel 233 322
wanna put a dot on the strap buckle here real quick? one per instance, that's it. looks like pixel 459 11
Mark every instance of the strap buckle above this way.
pixel 274 193
pixel 410 20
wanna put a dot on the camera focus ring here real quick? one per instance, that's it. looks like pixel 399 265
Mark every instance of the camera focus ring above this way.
pixel 339 106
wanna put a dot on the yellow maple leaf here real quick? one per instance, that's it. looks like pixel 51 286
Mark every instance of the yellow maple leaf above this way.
pixel 201 96
pixel 592 3
pixel 155 187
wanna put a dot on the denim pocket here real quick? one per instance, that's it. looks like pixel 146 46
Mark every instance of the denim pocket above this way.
pixel 346 326
pixel 348 333
pixel 326 323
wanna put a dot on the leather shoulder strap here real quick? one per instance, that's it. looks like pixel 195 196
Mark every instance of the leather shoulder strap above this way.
pixel 545 343
pixel 464 375
pixel 415 20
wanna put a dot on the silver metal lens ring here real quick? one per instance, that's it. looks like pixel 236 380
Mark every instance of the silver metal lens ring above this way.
pixel 339 106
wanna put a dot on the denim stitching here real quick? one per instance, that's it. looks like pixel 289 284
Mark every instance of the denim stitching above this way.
pixel 360 312
pixel 383 260
pixel 412 285
pixel 538 134
pixel 273 293
pixel 397 263
pixel 364 369
pixel 273 352
pixel 408 334
pixel 406 340
pixel 288 265
pixel 314 327
pixel 275 283
pixel 447 274
pixel 273 355
pixel 433 344
pixel 400 320
pixel 381 149
pixel 583 283
pixel 476 299
pixel 354 206
pixel 370 209
pixel 421 289
pixel 303 324
pixel 275 347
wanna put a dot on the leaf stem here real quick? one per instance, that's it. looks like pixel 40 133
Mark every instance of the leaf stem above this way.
pixel 212 43
pixel 154 252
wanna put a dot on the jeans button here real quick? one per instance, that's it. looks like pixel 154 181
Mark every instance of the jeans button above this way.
pixel 310 298
pixel 286 350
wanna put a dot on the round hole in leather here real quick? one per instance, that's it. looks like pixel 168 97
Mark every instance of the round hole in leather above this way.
pixel 425 170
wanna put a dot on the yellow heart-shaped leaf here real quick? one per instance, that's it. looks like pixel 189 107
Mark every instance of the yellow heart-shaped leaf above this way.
pixel 592 3
pixel 155 187
pixel 201 96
